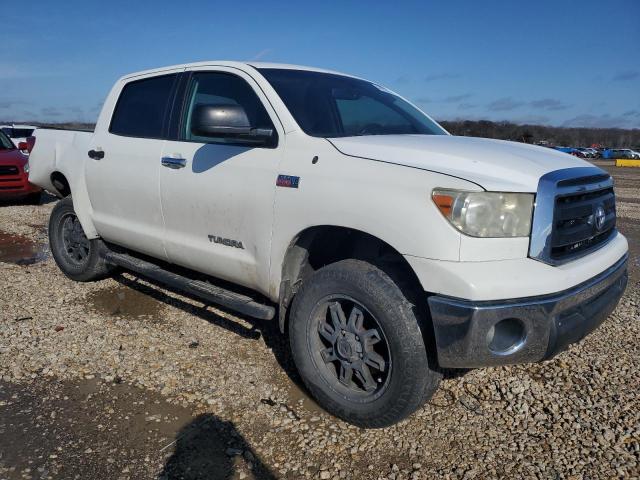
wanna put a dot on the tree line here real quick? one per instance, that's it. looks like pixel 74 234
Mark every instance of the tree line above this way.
pixel 554 136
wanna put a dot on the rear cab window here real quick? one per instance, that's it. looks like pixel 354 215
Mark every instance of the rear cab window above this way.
pixel 21 132
pixel 142 107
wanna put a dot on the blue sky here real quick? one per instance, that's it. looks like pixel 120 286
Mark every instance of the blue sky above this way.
pixel 560 62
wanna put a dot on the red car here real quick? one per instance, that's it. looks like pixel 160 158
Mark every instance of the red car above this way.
pixel 14 170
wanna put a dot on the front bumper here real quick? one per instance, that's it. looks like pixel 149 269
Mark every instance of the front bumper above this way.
pixel 485 333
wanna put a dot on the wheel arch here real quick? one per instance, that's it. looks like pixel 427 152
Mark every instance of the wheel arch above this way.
pixel 60 184
pixel 65 186
pixel 322 245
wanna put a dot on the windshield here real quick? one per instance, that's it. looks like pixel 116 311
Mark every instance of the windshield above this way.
pixel 5 143
pixel 329 105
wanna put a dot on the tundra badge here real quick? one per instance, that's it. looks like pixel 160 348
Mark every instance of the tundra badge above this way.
pixel 226 241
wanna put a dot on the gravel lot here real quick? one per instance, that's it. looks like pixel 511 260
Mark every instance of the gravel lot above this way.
pixel 124 379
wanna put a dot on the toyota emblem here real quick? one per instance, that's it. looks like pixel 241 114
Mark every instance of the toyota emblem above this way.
pixel 600 217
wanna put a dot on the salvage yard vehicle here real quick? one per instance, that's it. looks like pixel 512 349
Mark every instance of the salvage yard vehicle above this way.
pixel 388 248
pixel 14 170
pixel 625 153
pixel 18 134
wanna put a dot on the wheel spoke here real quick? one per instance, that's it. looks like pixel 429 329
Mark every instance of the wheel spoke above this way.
pixel 370 337
pixel 346 373
pixel 337 316
pixel 356 319
pixel 74 242
pixel 364 375
pixel 328 355
pixel 375 360
pixel 347 333
pixel 327 331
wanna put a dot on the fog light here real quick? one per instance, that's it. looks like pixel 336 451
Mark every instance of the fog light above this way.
pixel 506 336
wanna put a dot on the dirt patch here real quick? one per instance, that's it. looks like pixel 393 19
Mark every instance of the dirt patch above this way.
pixel 122 301
pixel 300 398
pixel 96 429
pixel 21 250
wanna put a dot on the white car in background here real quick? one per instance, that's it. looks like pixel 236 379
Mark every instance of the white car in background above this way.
pixel 594 152
pixel 18 133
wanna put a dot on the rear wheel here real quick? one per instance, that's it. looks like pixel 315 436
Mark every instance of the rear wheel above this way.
pixel 358 345
pixel 78 257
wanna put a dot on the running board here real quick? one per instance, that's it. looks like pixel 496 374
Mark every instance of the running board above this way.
pixel 225 298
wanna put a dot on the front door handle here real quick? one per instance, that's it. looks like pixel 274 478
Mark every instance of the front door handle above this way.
pixel 172 162
pixel 96 154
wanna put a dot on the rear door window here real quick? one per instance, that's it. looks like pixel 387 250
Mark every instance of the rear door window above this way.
pixel 142 107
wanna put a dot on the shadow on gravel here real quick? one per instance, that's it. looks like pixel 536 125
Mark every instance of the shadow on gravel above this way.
pixel 10 202
pixel 267 329
pixel 210 448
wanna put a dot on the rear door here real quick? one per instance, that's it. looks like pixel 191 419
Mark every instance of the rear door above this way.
pixel 123 169
pixel 217 197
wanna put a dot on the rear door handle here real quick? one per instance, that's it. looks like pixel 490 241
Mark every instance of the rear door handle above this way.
pixel 172 162
pixel 96 154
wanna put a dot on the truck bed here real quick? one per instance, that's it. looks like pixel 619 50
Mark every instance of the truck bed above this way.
pixel 57 150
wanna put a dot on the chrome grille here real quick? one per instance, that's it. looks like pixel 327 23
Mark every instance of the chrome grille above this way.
pixel 575 214
pixel 576 225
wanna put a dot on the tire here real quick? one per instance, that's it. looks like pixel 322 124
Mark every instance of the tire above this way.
pixel 79 258
pixel 369 301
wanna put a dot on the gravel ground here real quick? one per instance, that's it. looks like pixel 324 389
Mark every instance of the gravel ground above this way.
pixel 124 379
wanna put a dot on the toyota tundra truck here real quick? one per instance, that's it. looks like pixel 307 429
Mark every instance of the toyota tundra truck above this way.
pixel 387 249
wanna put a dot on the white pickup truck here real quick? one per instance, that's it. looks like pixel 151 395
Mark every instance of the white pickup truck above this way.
pixel 388 248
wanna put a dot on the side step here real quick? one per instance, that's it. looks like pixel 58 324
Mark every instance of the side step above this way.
pixel 225 298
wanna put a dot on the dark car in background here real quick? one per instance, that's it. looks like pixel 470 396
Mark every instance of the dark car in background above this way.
pixel 14 173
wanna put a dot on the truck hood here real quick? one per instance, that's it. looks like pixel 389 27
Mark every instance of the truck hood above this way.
pixel 12 157
pixel 495 165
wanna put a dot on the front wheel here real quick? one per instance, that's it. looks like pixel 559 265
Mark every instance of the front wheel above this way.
pixel 79 258
pixel 358 346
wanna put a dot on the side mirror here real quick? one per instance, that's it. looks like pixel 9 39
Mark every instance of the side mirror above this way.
pixel 23 146
pixel 228 121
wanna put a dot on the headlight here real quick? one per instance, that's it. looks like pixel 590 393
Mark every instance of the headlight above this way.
pixel 26 167
pixel 486 214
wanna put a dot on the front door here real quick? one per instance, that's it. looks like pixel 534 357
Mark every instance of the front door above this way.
pixel 123 170
pixel 217 193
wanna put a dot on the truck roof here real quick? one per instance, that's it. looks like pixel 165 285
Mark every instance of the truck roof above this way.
pixel 225 63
